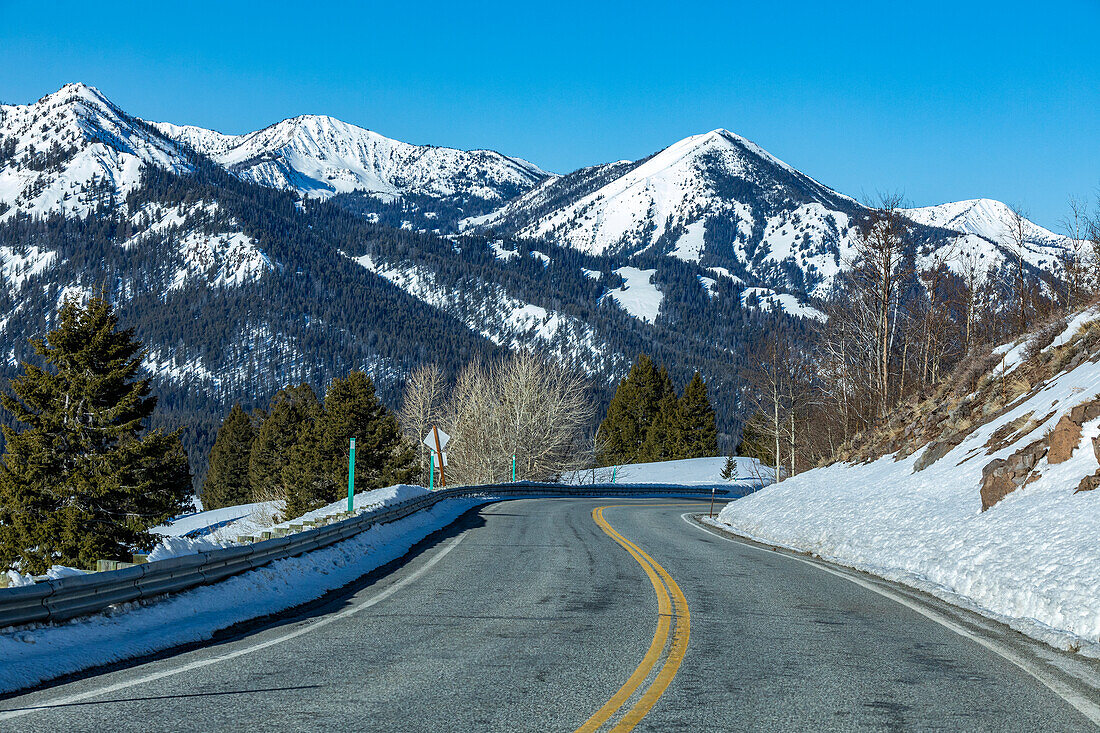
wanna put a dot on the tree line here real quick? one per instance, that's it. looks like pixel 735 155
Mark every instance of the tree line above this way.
pixel 904 317
pixel 646 420
pixel 297 451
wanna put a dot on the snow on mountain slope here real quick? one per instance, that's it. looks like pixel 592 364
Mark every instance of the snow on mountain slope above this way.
pixel 721 200
pixel 320 156
pixel 638 296
pixel 16 265
pixel 71 149
pixel 780 301
pixel 985 218
pixel 490 311
pixel 983 228
pixel 633 205
pixel 222 258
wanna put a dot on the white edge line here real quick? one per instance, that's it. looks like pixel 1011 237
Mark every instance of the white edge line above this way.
pixel 373 600
pixel 1085 706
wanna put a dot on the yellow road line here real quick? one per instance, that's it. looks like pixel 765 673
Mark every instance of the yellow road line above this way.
pixel 672 609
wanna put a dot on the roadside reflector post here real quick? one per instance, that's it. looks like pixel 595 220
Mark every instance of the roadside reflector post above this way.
pixel 614 470
pixel 439 452
pixel 431 470
pixel 513 468
pixel 435 441
pixel 711 514
pixel 351 475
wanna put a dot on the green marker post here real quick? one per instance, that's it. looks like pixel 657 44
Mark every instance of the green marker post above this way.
pixel 513 468
pixel 351 476
pixel 431 471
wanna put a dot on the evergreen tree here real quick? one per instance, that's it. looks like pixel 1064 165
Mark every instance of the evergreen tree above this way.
pixel 755 441
pixel 698 430
pixel 664 436
pixel 227 483
pixel 292 411
pixel 83 480
pixel 632 411
pixel 317 471
pixel 729 469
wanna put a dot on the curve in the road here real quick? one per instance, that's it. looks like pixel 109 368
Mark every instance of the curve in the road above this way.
pixel 673 620
pixel 1090 708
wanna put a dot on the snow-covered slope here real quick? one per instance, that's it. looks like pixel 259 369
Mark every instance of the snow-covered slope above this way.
pixel 73 149
pixel 1004 521
pixel 983 231
pixel 715 197
pixel 722 200
pixel 320 156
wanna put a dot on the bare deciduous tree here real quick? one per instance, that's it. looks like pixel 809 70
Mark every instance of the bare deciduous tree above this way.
pixel 1014 239
pixel 422 407
pixel 525 406
pixel 878 270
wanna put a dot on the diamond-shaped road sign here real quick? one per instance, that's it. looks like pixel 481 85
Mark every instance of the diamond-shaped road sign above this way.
pixel 429 439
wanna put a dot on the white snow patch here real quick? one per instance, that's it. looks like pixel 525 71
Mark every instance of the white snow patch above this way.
pixel 639 296
pixel 782 301
pixel 689 247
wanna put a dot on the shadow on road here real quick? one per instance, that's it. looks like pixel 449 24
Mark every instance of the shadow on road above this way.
pixel 331 602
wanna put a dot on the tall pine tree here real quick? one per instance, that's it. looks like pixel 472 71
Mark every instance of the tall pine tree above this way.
pixel 83 479
pixel 664 437
pixel 317 471
pixel 292 411
pixel 227 482
pixel 698 430
pixel 633 409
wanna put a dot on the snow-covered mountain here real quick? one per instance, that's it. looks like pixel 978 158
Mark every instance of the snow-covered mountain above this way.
pixel 723 201
pixel 320 156
pixel 73 149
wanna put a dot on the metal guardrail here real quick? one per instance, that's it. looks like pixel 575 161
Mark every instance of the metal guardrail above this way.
pixel 66 598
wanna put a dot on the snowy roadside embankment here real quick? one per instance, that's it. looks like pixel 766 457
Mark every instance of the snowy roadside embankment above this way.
pixel 256 518
pixel 35 654
pixel 1032 560
pixel 707 472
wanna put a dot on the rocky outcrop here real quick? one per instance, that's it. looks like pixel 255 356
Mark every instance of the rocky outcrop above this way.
pixel 1063 440
pixel 1003 476
pixel 1089 483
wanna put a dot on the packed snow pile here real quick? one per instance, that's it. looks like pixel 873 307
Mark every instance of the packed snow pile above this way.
pixel 706 472
pixel 253 519
pixel 989 502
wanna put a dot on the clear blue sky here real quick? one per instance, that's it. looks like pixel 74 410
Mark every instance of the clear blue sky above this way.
pixel 941 101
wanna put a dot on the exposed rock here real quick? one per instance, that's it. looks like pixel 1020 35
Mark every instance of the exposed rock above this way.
pixel 1085 412
pixel 1002 476
pixel 996 483
pixel 1064 439
pixel 1088 483
pixel 934 452
pixel 1096 447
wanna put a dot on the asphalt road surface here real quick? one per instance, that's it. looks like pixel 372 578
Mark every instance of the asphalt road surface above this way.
pixel 566 614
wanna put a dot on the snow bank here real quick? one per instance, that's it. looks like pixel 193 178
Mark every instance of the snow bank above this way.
pixel 685 472
pixel 34 654
pixel 1032 560
pixel 202 520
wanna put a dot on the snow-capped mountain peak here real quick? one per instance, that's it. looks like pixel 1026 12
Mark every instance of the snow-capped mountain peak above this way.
pixel 985 218
pixel 321 156
pixel 65 151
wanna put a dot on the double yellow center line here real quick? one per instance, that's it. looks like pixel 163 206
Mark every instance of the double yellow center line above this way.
pixel 673 630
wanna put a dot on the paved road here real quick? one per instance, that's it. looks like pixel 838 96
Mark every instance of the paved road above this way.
pixel 529 615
